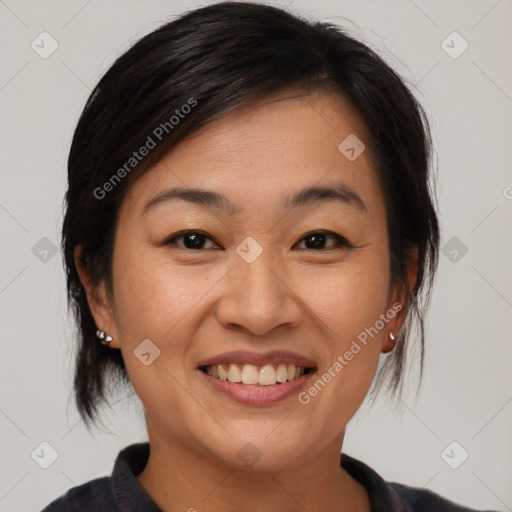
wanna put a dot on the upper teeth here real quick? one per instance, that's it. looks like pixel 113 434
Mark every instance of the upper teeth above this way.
pixel 266 375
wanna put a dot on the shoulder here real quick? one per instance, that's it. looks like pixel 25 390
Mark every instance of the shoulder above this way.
pixel 120 491
pixel 395 497
pixel 414 499
pixel 95 495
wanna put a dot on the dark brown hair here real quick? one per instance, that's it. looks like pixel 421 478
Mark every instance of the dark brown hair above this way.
pixel 220 57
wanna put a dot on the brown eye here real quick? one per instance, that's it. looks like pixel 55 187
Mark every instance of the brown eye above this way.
pixel 191 239
pixel 317 240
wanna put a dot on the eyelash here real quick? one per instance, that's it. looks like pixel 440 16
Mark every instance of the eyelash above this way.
pixel 341 241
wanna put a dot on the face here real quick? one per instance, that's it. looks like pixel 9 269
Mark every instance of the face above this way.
pixel 270 276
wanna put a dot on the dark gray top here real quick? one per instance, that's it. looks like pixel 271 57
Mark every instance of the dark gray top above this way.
pixel 121 492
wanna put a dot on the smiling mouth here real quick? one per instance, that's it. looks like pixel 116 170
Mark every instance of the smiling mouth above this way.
pixel 266 375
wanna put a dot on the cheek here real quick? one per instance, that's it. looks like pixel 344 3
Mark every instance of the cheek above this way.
pixel 166 304
pixel 156 301
pixel 153 296
pixel 352 346
pixel 350 299
pixel 350 304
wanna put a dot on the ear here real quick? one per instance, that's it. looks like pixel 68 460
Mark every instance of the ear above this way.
pixel 100 304
pixel 399 300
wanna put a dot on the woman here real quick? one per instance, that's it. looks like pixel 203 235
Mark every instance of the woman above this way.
pixel 249 226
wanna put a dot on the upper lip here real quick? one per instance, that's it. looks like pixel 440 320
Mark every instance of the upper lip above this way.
pixel 259 359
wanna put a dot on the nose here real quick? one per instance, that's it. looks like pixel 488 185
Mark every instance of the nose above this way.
pixel 258 298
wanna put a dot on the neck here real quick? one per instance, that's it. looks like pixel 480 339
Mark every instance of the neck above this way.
pixel 180 478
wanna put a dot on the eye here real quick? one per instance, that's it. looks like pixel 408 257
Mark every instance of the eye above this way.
pixel 191 239
pixel 317 239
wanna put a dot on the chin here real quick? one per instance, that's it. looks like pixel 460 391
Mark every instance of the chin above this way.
pixel 263 452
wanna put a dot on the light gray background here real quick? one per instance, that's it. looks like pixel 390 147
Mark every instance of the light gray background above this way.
pixel 466 395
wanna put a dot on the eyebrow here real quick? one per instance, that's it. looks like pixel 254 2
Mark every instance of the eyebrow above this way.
pixel 306 197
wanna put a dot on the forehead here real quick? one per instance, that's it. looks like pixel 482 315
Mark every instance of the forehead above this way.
pixel 267 149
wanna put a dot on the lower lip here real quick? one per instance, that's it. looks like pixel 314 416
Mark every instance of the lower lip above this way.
pixel 255 394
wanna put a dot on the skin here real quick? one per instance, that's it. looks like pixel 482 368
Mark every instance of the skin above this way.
pixel 194 304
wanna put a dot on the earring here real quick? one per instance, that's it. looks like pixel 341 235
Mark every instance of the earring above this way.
pixel 104 338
